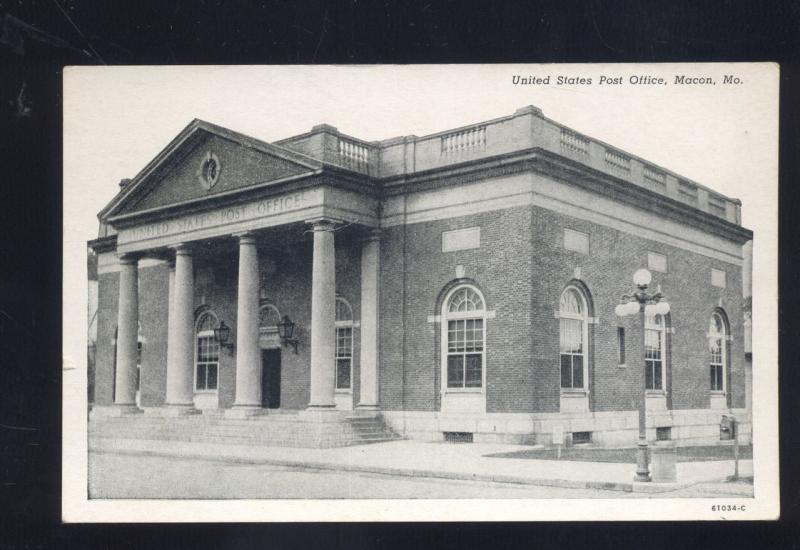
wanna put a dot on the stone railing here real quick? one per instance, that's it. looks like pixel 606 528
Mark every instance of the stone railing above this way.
pixel 574 142
pixel 471 139
pixel 687 192
pixel 354 156
pixel 618 161
pixel 527 129
pixel 716 206
pixel 655 176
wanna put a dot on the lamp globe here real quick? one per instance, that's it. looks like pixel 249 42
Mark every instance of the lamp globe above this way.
pixel 642 277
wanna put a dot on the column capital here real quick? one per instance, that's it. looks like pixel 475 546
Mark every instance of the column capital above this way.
pixel 246 237
pixel 129 259
pixel 184 249
pixel 323 223
pixel 372 235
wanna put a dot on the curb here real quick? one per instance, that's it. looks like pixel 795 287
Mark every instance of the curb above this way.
pixel 406 472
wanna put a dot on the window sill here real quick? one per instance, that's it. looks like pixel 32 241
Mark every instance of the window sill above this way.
pixel 717 392
pixel 346 390
pixel 205 392
pixel 464 390
pixel 574 392
pixel 655 393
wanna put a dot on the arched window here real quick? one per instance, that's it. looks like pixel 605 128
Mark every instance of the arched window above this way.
pixel 717 337
pixel 573 315
pixel 655 330
pixel 206 353
pixel 344 345
pixel 464 315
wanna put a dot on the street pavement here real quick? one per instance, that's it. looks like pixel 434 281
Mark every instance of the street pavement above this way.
pixel 114 476
pixel 418 459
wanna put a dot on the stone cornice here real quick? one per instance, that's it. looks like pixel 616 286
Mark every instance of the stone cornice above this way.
pixel 626 192
pixel 570 172
pixel 103 244
pixel 535 160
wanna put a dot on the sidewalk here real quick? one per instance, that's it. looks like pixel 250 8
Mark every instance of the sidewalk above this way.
pixel 437 460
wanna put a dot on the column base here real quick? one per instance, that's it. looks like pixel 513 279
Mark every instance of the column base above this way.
pixel 177 410
pixel 106 411
pixel 368 411
pixel 244 411
pixel 321 413
pixel 642 466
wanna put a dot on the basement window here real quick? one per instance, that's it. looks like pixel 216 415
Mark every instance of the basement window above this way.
pixel 663 434
pixel 580 438
pixel 458 437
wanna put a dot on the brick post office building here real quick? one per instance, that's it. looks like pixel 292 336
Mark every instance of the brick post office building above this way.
pixel 460 284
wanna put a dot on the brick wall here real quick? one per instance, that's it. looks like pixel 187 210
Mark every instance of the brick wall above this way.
pixel 522 268
pixel 607 272
pixel 410 345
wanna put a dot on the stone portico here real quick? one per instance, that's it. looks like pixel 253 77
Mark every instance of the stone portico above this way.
pixel 309 202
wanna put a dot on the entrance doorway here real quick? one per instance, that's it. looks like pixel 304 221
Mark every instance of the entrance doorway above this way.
pixel 271 378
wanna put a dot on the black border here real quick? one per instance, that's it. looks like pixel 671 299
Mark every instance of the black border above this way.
pixel 39 37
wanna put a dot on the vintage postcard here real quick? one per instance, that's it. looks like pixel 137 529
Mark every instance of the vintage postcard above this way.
pixel 453 292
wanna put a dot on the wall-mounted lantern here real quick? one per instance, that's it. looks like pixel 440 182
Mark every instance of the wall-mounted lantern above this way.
pixel 285 331
pixel 222 334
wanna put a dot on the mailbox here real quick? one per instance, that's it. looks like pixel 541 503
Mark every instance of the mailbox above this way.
pixel 727 428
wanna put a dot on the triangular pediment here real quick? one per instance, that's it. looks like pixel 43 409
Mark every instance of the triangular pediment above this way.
pixel 205 161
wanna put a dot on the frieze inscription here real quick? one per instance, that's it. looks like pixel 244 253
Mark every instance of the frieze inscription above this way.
pixel 223 216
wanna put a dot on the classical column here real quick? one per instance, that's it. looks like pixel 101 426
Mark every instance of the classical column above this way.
pixel 323 317
pixel 248 354
pixel 370 269
pixel 180 331
pixel 127 332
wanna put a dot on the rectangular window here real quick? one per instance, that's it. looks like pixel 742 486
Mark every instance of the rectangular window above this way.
pixel 465 353
pixel 458 437
pixel 718 278
pixel 461 239
pixel 656 262
pixel 577 241
pixel 579 438
pixel 663 433
pixel 207 363
pixel 715 349
pixel 653 359
pixel 344 357
pixel 621 346
pixel 571 343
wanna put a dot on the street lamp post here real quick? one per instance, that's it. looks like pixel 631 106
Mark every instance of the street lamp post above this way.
pixel 646 304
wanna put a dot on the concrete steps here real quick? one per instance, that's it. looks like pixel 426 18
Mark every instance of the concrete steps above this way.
pixel 287 429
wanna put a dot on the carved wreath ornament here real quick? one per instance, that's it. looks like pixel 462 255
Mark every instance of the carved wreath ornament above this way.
pixel 209 170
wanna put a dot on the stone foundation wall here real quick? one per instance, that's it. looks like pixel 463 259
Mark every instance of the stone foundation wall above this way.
pixel 609 429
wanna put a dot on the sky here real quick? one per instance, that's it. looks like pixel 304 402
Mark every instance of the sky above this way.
pixel 116 119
